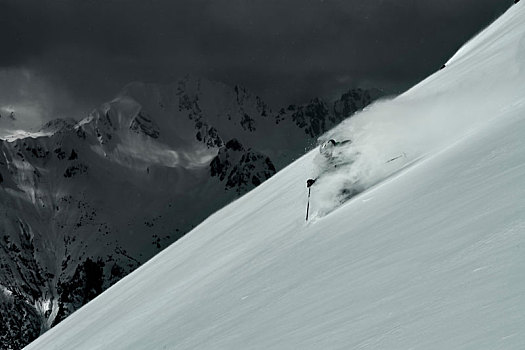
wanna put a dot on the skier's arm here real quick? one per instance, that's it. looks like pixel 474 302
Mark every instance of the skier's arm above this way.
pixel 344 142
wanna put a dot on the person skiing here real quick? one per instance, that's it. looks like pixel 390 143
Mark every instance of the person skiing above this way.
pixel 327 150
pixel 335 167
pixel 332 158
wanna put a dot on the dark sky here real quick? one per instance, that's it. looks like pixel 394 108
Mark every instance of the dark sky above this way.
pixel 62 58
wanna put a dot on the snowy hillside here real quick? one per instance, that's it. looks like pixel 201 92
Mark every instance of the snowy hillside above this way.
pixel 430 255
pixel 84 203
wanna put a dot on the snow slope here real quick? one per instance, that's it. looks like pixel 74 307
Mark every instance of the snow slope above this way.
pixel 429 256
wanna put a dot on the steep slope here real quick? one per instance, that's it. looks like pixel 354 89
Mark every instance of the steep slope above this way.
pixel 429 257
pixel 84 203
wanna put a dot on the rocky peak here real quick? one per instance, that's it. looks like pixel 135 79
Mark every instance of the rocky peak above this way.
pixel 234 145
pixel 58 125
pixel 143 124
pixel 240 169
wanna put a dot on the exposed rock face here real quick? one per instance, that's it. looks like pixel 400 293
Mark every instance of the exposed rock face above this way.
pixel 252 169
pixel 87 282
pixel 207 135
pixel 75 170
pixel 318 116
pixel 18 322
pixel 144 125
pixel 241 170
pixel 82 204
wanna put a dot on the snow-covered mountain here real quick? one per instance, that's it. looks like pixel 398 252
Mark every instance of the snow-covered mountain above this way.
pixel 84 203
pixel 430 254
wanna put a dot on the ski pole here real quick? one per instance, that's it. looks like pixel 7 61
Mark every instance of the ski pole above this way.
pixel 309 184
pixel 308 203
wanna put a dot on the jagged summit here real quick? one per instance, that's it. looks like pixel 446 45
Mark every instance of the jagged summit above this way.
pixel 58 125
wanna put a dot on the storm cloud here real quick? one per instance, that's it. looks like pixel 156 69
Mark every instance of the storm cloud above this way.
pixel 71 55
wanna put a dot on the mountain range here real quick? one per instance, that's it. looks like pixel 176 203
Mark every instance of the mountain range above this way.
pixel 84 203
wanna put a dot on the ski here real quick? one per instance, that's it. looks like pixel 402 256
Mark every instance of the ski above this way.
pixel 399 156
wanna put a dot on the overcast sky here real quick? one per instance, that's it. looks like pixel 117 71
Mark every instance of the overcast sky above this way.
pixel 61 58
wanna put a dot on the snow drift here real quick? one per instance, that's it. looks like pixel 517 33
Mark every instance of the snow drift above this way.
pixel 430 257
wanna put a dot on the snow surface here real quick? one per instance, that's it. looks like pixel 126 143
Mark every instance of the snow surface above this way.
pixel 430 256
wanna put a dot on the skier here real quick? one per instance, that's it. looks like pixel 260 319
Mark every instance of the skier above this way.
pixel 332 158
pixel 328 150
pixel 336 158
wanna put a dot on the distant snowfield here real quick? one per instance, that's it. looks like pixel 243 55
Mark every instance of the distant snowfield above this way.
pixel 431 256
